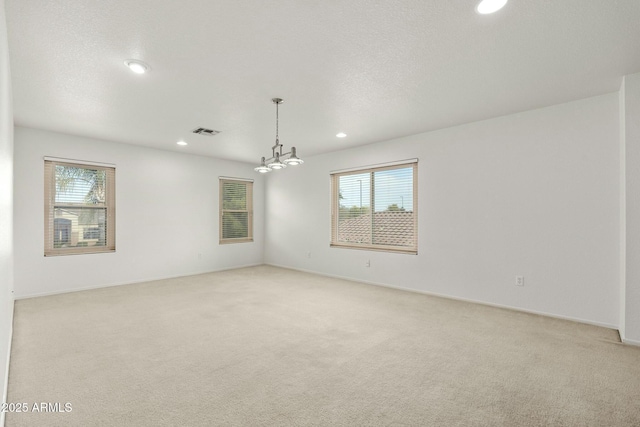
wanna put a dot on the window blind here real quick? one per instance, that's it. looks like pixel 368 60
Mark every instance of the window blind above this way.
pixel 79 208
pixel 376 208
pixel 236 211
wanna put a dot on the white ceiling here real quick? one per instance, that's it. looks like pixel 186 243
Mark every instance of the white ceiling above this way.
pixel 375 70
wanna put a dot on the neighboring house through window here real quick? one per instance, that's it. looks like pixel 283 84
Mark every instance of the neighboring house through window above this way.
pixel 376 208
pixel 236 210
pixel 79 207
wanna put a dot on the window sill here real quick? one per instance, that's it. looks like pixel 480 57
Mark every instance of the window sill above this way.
pixel 83 251
pixel 394 249
pixel 228 241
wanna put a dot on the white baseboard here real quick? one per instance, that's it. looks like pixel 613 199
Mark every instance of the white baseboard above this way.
pixel 435 294
pixel 6 368
pixel 631 342
pixel 151 279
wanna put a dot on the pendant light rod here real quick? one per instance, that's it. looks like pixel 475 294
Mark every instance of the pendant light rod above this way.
pixel 277 101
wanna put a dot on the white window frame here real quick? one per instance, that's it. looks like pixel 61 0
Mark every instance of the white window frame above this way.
pixel 50 205
pixel 249 201
pixel 335 206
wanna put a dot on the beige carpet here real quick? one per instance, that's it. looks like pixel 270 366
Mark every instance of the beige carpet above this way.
pixel 267 346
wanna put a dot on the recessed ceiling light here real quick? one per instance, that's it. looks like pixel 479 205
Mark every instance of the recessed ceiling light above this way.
pixel 181 143
pixel 341 135
pixel 136 66
pixel 489 6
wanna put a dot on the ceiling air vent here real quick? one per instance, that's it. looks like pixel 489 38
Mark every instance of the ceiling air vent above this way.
pixel 206 132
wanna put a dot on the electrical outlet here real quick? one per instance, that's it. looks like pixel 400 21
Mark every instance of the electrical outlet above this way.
pixel 519 280
pixel 367 263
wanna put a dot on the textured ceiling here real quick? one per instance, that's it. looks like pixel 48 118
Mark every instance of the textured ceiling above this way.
pixel 372 69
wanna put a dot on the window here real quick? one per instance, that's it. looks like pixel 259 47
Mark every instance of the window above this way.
pixel 236 210
pixel 376 208
pixel 79 208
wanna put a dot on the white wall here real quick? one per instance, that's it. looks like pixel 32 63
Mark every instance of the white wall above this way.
pixel 630 95
pixel 6 206
pixel 533 194
pixel 166 215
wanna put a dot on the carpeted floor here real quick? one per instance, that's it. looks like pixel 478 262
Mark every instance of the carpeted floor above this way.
pixel 267 346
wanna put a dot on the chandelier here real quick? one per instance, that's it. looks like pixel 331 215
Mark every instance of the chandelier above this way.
pixel 278 159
